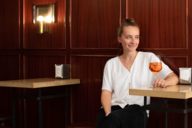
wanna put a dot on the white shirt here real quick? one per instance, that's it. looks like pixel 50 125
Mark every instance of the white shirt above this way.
pixel 118 79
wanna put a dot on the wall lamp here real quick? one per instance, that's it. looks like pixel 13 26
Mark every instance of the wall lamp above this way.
pixel 43 15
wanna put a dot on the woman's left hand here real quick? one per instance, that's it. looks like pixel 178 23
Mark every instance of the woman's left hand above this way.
pixel 159 83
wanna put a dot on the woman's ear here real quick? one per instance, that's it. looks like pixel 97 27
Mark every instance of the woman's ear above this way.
pixel 119 39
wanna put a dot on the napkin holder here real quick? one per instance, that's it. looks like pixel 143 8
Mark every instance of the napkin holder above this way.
pixel 62 71
pixel 185 74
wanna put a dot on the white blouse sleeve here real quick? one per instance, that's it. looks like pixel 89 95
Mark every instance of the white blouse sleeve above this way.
pixel 107 77
pixel 165 69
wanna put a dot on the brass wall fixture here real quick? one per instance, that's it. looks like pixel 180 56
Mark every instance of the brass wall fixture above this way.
pixel 44 15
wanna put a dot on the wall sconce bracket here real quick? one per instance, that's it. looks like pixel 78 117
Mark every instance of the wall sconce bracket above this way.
pixel 43 15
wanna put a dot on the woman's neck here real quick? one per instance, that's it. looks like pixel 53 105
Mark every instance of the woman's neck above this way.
pixel 129 55
pixel 127 59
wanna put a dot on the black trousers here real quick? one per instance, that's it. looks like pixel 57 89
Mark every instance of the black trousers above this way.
pixel 132 116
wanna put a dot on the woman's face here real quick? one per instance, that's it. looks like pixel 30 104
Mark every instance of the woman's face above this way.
pixel 129 39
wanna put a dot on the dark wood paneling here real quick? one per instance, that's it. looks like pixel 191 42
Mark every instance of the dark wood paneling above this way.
pixel 38 65
pixel 175 62
pixel 10 69
pixel 55 39
pixel 10 23
pixel 6 97
pixel 9 66
pixel 53 109
pixel 189 21
pixel 94 23
pixel 163 22
pixel 81 27
pixel 86 98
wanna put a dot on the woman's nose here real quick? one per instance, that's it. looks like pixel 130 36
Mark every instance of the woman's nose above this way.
pixel 133 40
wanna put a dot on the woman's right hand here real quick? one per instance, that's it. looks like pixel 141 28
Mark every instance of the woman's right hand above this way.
pixel 106 114
pixel 106 101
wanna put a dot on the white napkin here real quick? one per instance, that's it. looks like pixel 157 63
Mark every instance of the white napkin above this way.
pixel 185 75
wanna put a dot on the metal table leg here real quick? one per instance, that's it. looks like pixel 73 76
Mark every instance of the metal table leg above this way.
pixel 145 119
pixel 186 115
pixel 14 112
pixel 166 114
pixel 166 120
pixel 40 110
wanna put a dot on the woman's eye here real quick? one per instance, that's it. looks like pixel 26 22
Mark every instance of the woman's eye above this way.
pixel 137 37
pixel 128 37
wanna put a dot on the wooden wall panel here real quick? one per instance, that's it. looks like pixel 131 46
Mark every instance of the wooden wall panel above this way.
pixel 53 109
pixel 9 69
pixel 86 97
pixel 9 66
pixel 5 97
pixel 56 37
pixel 10 23
pixel 94 23
pixel 175 62
pixel 190 28
pixel 39 65
pixel 163 22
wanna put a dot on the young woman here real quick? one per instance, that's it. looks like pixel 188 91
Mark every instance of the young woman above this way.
pixel 130 69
